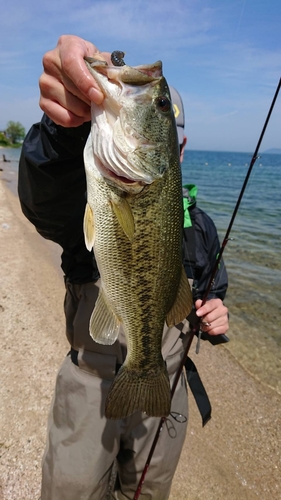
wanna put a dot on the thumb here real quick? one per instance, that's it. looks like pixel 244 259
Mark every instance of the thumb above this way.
pixel 198 303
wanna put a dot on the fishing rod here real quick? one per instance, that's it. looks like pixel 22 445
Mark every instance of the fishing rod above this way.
pixel 196 328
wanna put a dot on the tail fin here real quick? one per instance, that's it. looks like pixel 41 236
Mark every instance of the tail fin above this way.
pixel 132 391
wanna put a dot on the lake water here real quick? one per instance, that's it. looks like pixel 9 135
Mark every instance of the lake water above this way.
pixel 252 258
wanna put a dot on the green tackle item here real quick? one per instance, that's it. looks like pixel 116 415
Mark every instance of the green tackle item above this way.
pixel 189 198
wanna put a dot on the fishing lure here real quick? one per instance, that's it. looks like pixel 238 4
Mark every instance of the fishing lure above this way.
pixel 117 58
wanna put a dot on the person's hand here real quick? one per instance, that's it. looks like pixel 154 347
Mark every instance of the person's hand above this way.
pixel 215 313
pixel 66 85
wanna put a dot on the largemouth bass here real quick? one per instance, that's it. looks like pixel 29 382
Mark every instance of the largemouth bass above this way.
pixel 133 221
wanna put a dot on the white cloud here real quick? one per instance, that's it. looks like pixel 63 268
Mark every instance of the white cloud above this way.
pixel 174 24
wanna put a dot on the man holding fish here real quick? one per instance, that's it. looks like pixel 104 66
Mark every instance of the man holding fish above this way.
pixel 127 292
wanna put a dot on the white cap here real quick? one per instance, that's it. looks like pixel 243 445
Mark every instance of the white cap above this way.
pixel 179 112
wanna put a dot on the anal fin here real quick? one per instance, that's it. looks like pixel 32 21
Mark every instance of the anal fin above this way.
pixel 104 324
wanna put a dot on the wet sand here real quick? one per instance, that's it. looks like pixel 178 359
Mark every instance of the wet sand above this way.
pixel 235 457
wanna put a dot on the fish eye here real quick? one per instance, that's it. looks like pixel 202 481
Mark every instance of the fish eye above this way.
pixel 163 103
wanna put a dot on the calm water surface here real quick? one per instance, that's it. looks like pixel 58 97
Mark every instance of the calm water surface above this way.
pixel 253 257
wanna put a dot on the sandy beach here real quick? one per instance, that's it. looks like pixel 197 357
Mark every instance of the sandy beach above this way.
pixel 236 456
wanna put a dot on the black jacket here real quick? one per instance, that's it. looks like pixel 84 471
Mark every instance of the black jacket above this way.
pixel 52 187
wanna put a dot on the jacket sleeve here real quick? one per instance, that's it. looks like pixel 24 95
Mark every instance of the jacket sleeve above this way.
pixel 52 181
pixel 207 247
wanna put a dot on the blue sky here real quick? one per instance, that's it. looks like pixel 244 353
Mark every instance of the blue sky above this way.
pixel 224 56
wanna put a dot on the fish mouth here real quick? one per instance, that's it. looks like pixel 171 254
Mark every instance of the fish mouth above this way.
pixel 122 152
pixel 137 75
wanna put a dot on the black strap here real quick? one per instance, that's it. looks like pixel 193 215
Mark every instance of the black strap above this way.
pixel 198 390
pixel 74 356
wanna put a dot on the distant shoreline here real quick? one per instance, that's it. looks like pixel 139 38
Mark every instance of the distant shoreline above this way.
pixel 272 151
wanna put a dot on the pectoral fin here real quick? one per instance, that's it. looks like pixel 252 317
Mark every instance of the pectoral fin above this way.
pixel 124 215
pixel 104 324
pixel 183 303
pixel 89 229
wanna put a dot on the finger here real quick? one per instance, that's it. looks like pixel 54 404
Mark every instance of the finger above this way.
pixel 82 84
pixel 206 308
pixel 52 82
pixel 212 306
pixel 205 323
pixel 53 90
pixel 72 51
pixel 60 115
pixel 216 316
pixel 218 326
pixel 219 330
